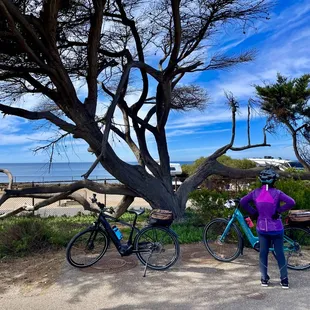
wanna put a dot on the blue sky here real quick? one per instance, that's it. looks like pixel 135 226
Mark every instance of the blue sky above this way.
pixel 282 45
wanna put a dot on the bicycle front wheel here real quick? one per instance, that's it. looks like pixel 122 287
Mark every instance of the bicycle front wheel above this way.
pixel 223 248
pixel 158 247
pixel 297 248
pixel 87 247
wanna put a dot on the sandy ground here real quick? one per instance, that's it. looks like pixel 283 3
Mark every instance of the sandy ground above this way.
pixel 109 200
pixel 70 207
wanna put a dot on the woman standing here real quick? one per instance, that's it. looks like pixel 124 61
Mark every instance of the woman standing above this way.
pixel 269 227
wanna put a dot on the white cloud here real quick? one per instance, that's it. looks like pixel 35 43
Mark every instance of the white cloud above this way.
pixel 18 139
pixel 177 133
pixel 289 55
pixel 10 124
pixel 212 115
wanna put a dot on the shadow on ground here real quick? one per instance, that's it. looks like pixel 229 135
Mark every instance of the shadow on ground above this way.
pixel 197 281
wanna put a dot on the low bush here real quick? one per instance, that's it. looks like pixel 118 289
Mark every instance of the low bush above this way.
pixel 22 236
pixel 209 204
pixel 299 190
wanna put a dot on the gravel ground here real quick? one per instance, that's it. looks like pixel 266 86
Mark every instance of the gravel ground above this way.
pixel 197 281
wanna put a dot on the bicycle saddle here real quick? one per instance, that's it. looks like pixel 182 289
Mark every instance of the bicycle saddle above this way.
pixel 138 212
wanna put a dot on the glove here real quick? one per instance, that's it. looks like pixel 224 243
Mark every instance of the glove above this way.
pixel 276 216
pixel 254 216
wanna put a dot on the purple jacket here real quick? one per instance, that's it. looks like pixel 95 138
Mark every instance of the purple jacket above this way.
pixel 267 203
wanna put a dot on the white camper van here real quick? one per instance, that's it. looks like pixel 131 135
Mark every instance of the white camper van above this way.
pixel 280 163
pixel 175 170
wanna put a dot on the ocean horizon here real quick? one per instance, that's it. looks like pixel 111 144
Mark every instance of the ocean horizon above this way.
pixel 64 171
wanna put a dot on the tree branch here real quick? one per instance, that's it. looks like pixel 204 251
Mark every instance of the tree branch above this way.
pixel 113 189
pixel 123 205
pixel 39 115
pixel 175 5
pixel 11 12
pixel 108 118
pixel 92 55
pixel 10 177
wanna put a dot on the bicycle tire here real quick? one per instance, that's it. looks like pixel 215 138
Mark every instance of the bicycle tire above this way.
pixel 211 238
pixel 159 247
pixel 298 255
pixel 82 252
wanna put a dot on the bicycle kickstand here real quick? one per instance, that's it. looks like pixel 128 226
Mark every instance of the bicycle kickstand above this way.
pixel 144 274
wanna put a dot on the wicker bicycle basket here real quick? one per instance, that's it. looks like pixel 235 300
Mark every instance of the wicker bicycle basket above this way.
pixel 160 217
pixel 299 217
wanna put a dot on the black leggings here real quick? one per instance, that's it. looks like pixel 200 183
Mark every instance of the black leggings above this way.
pixel 265 241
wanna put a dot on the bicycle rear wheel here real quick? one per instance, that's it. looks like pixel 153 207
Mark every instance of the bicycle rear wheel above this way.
pixel 297 248
pixel 157 246
pixel 224 249
pixel 87 247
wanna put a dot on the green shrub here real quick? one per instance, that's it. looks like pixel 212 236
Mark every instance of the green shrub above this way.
pixel 187 232
pixel 299 190
pixel 207 204
pixel 189 169
pixel 22 236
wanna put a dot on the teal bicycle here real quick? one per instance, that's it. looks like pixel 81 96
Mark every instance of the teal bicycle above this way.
pixel 225 242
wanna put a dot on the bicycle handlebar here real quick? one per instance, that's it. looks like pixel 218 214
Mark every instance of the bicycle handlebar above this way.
pixel 232 203
pixel 101 205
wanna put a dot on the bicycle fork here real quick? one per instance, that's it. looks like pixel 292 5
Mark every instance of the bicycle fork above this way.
pixel 226 232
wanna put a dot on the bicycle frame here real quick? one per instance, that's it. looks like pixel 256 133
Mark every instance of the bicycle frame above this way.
pixel 123 249
pixel 237 215
pixel 254 240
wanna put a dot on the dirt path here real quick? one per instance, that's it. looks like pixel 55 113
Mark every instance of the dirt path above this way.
pixel 196 282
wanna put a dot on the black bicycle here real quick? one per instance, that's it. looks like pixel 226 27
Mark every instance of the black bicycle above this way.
pixel 156 247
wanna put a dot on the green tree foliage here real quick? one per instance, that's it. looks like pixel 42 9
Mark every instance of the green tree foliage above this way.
pixel 236 163
pixel 286 103
pixel 189 169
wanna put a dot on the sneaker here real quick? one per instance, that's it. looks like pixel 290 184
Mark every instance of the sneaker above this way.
pixel 265 282
pixel 284 283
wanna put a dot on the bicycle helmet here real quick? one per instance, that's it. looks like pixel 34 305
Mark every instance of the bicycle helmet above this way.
pixel 268 176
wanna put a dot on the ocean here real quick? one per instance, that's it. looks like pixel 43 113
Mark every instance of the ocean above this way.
pixel 65 172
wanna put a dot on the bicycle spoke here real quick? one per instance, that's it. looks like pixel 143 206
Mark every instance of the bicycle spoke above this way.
pixel 149 238
pixel 163 250
pixel 297 248
pixel 87 248
pixel 223 249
